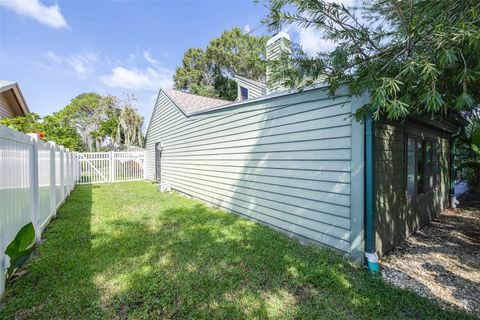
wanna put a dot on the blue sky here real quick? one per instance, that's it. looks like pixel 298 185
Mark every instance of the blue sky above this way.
pixel 59 49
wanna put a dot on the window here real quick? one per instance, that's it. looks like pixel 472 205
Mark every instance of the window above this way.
pixel 244 93
pixel 422 166
pixel 411 167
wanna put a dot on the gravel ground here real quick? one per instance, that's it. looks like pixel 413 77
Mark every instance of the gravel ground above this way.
pixel 441 261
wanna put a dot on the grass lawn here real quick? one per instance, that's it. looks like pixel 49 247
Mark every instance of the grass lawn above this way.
pixel 127 251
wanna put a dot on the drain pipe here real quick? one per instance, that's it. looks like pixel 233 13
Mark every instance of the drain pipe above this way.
pixel 370 250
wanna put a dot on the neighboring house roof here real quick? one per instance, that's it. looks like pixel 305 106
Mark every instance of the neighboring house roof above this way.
pixel 191 103
pixel 6 85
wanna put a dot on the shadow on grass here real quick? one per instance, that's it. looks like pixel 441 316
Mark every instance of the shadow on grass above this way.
pixel 58 281
pixel 139 254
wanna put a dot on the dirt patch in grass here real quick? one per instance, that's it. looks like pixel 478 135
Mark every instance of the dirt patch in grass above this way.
pixel 442 261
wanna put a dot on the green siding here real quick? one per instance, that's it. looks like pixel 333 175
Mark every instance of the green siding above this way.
pixel 397 216
pixel 283 161
pixel 255 89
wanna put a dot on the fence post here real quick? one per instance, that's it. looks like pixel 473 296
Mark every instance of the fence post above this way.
pixel 112 166
pixel 35 186
pixel 53 183
pixel 75 167
pixel 70 172
pixel 77 163
pixel 62 174
pixel 67 171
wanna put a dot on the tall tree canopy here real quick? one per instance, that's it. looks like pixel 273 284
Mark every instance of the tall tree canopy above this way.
pixel 105 122
pixel 413 56
pixel 210 72
pixel 90 122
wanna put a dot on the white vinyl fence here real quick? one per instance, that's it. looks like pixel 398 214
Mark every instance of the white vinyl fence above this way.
pixel 35 179
pixel 101 167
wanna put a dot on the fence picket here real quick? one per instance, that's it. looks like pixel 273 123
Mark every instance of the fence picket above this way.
pixel 103 167
pixel 34 181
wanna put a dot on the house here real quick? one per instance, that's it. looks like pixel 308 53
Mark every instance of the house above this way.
pixel 299 163
pixel 12 102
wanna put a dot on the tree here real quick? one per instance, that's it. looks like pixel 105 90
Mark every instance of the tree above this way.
pixel 84 113
pixel 412 56
pixel 90 121
pixel 104 122
pixel 210 72
pixel 51 126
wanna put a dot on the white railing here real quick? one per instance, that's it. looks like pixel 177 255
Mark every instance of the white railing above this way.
pixel 35 179
pixel 101 167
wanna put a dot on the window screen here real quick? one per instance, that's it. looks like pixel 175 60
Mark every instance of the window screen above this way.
pixel 423 173
pixel 436 167
pixel 429 165
pixel 244 93
pixel 411 166
pixel 420 166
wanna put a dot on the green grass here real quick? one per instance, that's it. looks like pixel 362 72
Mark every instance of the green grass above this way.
pixel 127 251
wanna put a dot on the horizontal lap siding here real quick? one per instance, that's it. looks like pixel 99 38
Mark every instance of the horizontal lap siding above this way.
pixel 254 89
pixel 284 162
pixel 5 106
pixel 397 216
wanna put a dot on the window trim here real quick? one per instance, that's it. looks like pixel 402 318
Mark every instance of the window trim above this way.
pixel 436 172
pixel 241 94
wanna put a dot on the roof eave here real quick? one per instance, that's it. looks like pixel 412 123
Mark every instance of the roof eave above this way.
pixel 262 98
pixel 18 96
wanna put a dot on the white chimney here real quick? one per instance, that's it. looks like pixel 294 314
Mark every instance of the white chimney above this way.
pixel 275 47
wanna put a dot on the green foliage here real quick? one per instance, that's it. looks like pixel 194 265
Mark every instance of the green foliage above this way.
pixel 53 126
pixel 468 154
pixel 414 57
pixel 105 122
pixel 89 122
pixel 210 72
pixel 26 124
pixel 20 249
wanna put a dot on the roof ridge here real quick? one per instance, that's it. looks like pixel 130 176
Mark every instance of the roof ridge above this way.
pixel 255 81
pixel 198 95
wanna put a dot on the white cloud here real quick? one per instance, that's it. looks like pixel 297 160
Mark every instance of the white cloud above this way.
pixel 54 57
pixel 133 78
pixel 82 64
pixel 247 28
pixel 152 77
pixel 311 39
pixel 149 58
pixel 312 42
pixel 346 3
pixel 48 15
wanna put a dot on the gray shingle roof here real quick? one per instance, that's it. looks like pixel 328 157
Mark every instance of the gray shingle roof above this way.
pixel 192 103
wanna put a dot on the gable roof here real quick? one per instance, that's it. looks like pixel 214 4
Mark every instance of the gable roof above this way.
pixel 258 83
pixel 12 85
pixel 6 84
pixel 191 103
pixel 255 88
